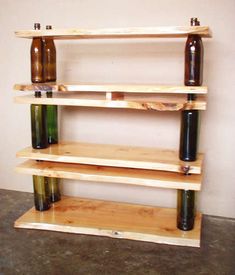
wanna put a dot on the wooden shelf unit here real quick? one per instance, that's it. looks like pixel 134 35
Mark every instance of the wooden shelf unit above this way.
pixel 112 219
pixel 111 163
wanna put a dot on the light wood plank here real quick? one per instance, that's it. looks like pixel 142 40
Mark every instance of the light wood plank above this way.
pixel 112 219
pixel 113 155
pixel 138 177
pixel 138 32
pixel 98 101
pixel 122 88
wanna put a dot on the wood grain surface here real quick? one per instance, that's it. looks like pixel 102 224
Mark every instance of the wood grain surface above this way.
pixel 113 155
pixel 112 219
pixel 140 177
pixel 138 32
pixel 103 88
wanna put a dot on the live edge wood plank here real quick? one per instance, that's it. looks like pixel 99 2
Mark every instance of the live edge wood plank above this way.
pixel 130 176
pixel 113 155
pixel 95 101
pixel 112 219
pixel 138 32
pixel 123 88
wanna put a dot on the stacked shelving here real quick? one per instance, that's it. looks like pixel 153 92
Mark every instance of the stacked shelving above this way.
pixel 111 163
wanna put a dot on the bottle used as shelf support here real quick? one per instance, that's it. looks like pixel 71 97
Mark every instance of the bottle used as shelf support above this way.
pixel 54 189
pixel 193 76
pixel 52 121
pixel 189 135
pixel 185 209
pixel 49 58
pixel 36 53
pixel 41 193
pixel 193 71
pixel 38 125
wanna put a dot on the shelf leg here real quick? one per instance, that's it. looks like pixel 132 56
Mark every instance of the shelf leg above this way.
pixel 41 193
pixel 54 189
pixel 185 209
pixel 38 125
pixel 52 130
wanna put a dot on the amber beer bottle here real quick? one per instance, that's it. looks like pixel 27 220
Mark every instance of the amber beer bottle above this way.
pixel 41 193
pixel 37 58
pixel 193 60
pixel 49 59
pixel 38 125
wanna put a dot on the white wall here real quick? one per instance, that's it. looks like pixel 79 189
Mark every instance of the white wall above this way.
pixel 125 61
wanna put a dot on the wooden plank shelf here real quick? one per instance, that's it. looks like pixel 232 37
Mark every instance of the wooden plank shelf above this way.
pixel 159 103
pixel 113 155
pixel 112 219
pixel 121 88
pixel 138 32
pixel 139 177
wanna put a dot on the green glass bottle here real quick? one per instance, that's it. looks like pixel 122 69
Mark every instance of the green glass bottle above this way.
pixel 189 135
pixel 39 125
pixel 36 53
pixel 52 122
pixel 54 189
pixel 41 193
pixel 185 209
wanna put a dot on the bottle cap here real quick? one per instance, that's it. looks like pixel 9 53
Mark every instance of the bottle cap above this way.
pixel 48 27
pixel 37 26
pixel 37 94
pixel 194 21
pixel 49 94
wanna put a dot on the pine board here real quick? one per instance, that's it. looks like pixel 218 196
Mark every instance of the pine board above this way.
pixel 139 177
pixel 138 32
pixel 113 155
pixel 112 219
pixel 99 101
pixel 103 88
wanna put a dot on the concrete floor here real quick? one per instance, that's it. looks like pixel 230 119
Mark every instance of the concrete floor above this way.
pixel 42 252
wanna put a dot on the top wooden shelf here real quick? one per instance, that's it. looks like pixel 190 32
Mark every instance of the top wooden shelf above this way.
pixel 144 32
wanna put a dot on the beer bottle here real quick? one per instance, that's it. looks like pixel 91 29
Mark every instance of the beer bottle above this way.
pixel 49 60
pixel 38 125
pixel 193 58
pixel 37 58
pixel 41 193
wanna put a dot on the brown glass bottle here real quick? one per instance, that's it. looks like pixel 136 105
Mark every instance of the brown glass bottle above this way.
pixel 41 193
pixel 185 209
pixel 49 59
pixel 193 75
pixel 37 58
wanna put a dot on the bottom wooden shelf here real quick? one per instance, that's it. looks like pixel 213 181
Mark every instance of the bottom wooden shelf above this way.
pixel 112 219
